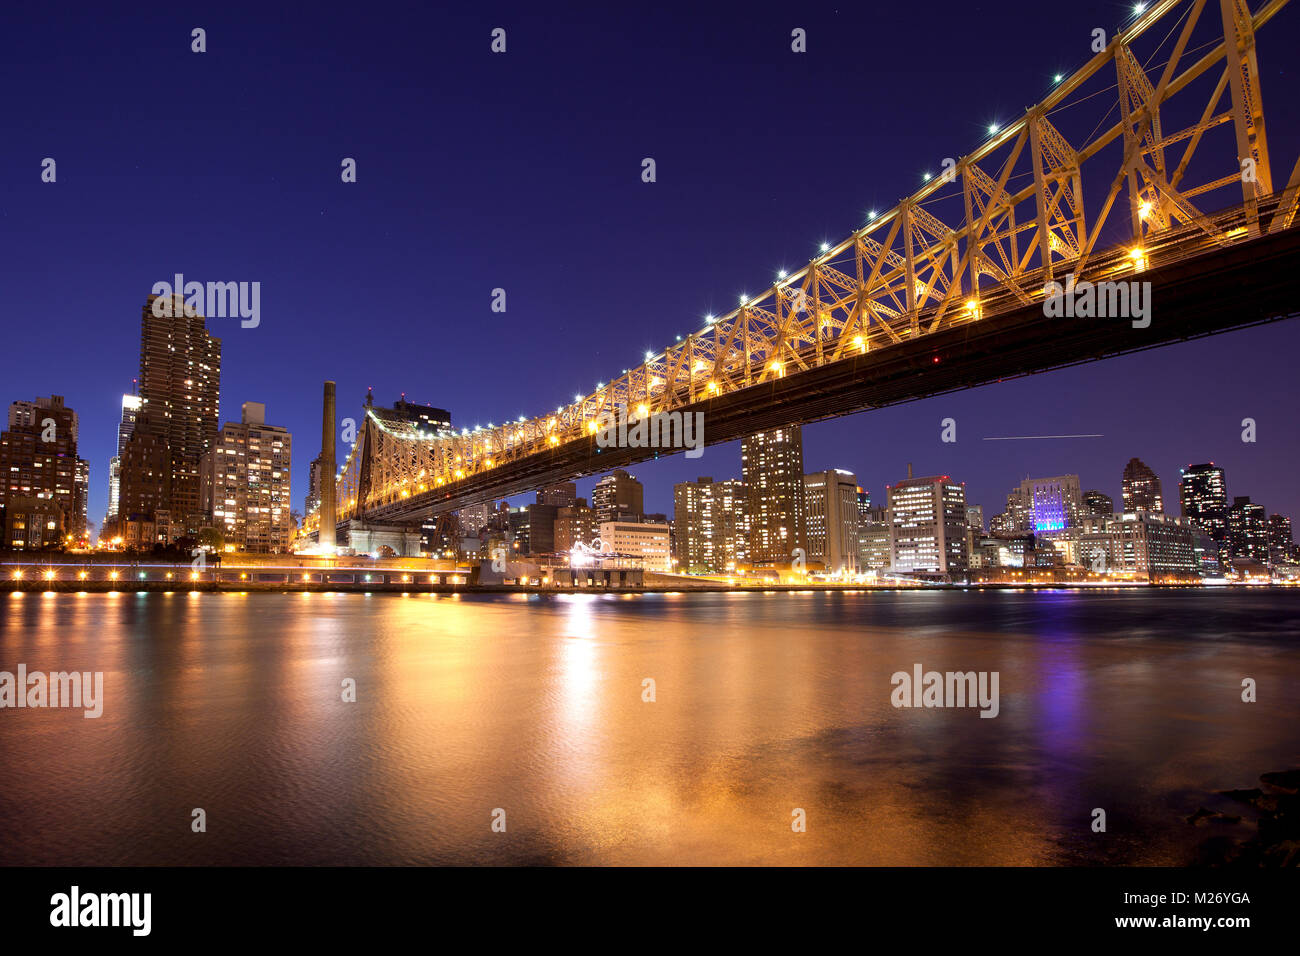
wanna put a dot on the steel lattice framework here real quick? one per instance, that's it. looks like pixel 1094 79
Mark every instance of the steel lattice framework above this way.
pixel 1025 220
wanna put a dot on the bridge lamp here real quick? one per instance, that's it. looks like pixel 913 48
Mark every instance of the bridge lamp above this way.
pixel 642 410
pixel 993 128
pixel 649 356
pixel 743 298
pixel 82 575
pixel 826 247
pixel 1139 8
pixel 194 575
pixel 871 215
pixel 926 177
pixel 577 398
pixel 1144 208
pixel 709 318
pixel 600 385
pixel 713 387
pixel 49 575
pixel 553 440
pixel 781 274
pixel 860 342
pixel 592 427
pixel 1057 78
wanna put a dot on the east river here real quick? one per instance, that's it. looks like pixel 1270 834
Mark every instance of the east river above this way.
pixel 534 712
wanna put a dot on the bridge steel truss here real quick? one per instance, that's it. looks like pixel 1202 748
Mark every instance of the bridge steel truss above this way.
pixel 1026 222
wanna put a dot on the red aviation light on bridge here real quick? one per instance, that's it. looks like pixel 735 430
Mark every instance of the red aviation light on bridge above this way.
pixel 936 360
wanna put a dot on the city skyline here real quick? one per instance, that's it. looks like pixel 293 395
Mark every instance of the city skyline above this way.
pixel 340 251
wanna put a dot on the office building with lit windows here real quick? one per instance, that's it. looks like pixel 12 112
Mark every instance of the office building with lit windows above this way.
pixel 927 518
pixel 1203 494
pixel 831 508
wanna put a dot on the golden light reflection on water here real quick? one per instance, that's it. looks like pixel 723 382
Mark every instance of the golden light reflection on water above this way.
pixel 764 703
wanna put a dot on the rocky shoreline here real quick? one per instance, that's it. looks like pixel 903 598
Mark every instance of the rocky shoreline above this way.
pixel 1253 827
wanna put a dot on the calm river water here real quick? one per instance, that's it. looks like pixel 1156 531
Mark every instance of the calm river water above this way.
pixel 1124 700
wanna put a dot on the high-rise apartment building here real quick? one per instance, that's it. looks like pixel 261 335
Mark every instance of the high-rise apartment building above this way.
pixel 41 477
pixel 927 518
pixel 1281 545
pixel 618 497
pixel 180 381
pixel 246 482
pixel 771 466
pixel 710 525
pixel 831 509
pixel 1141 488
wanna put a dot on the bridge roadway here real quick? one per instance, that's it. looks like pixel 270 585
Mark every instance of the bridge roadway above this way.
pixel 1214 290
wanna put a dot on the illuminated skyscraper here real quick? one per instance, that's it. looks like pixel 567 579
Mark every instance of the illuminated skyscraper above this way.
pixel 1042 505
pixel 771 466
pixel 1203 493
pixel 130 410
pixel 180 382
pixel 1141 488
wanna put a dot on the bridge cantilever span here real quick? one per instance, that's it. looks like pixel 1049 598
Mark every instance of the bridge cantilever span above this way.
pixel 909 306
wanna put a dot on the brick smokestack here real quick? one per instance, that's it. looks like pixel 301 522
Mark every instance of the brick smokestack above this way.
pixel 328 469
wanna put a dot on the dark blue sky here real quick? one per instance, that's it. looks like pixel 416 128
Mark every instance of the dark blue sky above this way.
pixel 522 171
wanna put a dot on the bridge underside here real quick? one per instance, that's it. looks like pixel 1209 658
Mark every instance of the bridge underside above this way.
pixel 1217 291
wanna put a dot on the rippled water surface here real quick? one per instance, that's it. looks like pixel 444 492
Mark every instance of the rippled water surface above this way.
pixel 1125 700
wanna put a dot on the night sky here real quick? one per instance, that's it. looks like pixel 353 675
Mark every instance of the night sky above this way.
pixel 523 171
